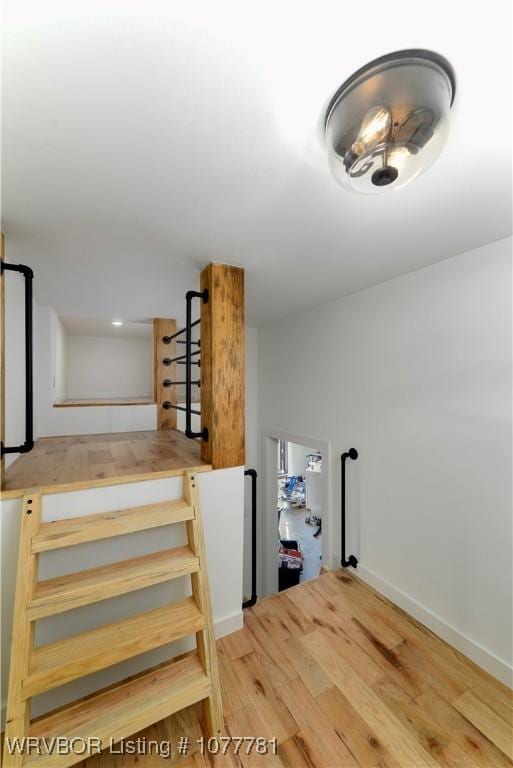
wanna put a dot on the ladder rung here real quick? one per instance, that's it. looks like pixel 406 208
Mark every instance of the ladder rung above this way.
pixel 65 593
pixel 78 530
pixel 124 709
pixel 58 663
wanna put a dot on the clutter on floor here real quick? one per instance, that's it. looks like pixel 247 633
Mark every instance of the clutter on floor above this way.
pixel 290 560
pixel 293 490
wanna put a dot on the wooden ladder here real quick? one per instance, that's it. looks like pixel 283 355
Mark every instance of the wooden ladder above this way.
pixel 121 710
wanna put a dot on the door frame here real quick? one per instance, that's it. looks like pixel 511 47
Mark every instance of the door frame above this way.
pixel 267 534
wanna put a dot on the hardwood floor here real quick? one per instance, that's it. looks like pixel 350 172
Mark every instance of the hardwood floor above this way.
pixel 100 459
pixel 344 679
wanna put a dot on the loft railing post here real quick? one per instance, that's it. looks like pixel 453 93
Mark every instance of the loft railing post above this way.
pixel 190 295
pixel 29 365
pixel 188 339
pixel 29 394
pixel 352 561
pixel 222 366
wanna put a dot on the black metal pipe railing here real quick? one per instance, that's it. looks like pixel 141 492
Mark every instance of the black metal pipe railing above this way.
pixel 186 360
pixel 167 405
pixel 196 383
pixel 29 393
pixel 169 339
pixel 352 561
pixel 180 357
pixel 252 600
pixel 189 296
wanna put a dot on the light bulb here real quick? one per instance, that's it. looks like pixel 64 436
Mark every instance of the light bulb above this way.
pixel 374 129
pixel 397 158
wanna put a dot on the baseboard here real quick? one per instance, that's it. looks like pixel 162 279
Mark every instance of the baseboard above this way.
pixel 229 624
pixel 497 667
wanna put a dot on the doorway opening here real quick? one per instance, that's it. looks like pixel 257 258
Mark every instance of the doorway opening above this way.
pixel 299 490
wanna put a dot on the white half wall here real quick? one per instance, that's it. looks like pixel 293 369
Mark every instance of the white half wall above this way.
pixel 49 354
pixel 222 501
pixel 416 374
pixel 61 361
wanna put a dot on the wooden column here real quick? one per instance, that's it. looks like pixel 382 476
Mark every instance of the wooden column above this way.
pixel 222 366
pixel 166 419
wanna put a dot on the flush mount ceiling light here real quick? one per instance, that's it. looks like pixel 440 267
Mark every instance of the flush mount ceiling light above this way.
pixel 390 120
pixel 117 322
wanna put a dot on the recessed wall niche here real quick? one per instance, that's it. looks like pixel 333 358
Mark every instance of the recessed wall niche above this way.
pixel 97 362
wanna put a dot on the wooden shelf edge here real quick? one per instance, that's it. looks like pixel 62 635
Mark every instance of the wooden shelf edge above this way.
pixel 79 485
pixel 101 402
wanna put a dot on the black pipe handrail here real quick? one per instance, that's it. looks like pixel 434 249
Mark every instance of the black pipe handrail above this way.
pixel 167 405
pixel 169 339
pixel 189 296
pixel 178 383
pixel 181 357
pixel 252 600
pixel 29 392
pixel 352 561
pixel 186 360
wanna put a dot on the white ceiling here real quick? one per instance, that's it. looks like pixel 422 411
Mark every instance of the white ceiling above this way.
pixel 91 326
pixel 144 139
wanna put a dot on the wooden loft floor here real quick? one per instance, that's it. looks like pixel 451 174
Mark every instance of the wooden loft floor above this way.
pixel 344 679
pixel 102 460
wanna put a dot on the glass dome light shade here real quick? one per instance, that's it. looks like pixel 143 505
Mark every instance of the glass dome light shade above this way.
pixel 389 121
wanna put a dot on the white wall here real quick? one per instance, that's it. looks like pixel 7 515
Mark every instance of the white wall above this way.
pixel 104 366
pixel 251 443
pixel 221 499
pixel 416 374
pixel 61 361
pixel 74 421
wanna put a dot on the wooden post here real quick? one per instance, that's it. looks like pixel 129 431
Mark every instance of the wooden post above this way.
pixel 22 643
pixel 223 366
pixel 166 419
pixel 205 638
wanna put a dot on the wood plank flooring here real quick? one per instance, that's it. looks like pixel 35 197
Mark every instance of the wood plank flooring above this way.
pixel 79 459
pixel 344 679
